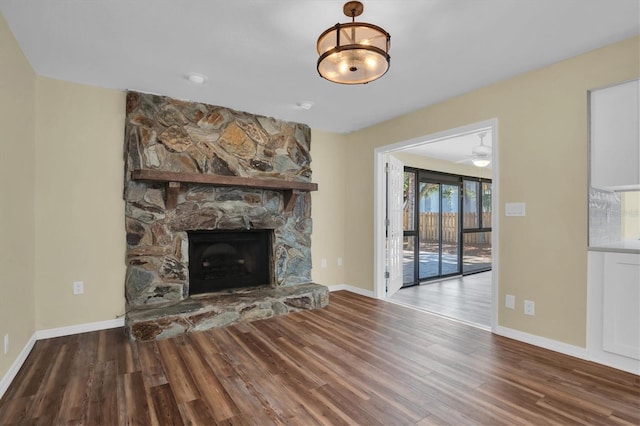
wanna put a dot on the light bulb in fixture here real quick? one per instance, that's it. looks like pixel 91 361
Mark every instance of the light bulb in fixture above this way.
pixel 480 162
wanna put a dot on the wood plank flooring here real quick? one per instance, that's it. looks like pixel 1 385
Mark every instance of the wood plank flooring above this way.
pixel 358 361
pixel 465 298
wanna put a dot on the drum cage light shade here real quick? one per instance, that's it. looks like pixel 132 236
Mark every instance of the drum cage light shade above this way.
pixel 353 52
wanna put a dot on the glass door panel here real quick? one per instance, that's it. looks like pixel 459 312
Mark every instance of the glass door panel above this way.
pixel 409 276
pixel 486 205
pixel 476 254
pixel 409 207
pixel 408 259
pixel 450 230
pixel 429 212
pixel 470 205
pixel 476 239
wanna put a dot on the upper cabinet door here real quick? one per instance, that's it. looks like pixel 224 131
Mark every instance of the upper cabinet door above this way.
pixel 614 137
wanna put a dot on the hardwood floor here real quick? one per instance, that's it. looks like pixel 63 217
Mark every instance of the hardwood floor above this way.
pixel 358 361
pixel 465 298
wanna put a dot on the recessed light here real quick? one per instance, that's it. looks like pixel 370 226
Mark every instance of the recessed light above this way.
pixel 197 78
pixel 306 105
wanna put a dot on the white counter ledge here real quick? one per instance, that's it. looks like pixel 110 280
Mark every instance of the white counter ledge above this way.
pixel 626 246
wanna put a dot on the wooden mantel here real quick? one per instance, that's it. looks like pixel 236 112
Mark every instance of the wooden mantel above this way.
pixel 174 179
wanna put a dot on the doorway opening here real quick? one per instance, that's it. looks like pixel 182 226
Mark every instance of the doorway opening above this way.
pixel 437 249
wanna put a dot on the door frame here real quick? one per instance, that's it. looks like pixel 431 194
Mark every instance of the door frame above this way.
pixel 379 205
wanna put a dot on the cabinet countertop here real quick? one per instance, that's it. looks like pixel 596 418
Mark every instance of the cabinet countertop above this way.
pixel 626 246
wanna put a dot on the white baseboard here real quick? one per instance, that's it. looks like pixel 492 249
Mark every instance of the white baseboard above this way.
pixel 15 367
pixel 618 362
pixel 565 348
pixel 352 289
pixel 50 333
pixel 543 342
pixel 80 328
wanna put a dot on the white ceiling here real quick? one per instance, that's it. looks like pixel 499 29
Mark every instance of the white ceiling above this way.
pixel 259 56
pixel 455 149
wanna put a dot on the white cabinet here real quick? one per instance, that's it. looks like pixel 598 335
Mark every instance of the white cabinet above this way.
pixel 614 116
pixel 613 307
pixel 621 304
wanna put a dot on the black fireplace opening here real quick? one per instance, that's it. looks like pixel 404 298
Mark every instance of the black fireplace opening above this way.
pixel 221 260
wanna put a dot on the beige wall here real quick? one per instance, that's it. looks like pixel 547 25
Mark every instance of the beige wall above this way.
pixel 17 174
pixel 542 141
pixel 79 208
pixel 327 207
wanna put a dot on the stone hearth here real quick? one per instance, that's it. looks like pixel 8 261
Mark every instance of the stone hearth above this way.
pixel 224 308
pixel 197 146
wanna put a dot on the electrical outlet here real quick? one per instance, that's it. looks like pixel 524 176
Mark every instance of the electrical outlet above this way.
pixel 529 307
pixel 323 263
pixel 78 287
pixel 6 344
pixel 339 261
pixel 510 301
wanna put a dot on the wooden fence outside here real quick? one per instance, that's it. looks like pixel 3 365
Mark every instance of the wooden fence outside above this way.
pixel 429 227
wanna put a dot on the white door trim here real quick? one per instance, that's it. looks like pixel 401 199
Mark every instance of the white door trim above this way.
pixel 379 204
pixel 393 244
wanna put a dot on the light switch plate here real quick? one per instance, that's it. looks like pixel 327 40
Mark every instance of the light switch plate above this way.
pixel 514 209
pixel 510 301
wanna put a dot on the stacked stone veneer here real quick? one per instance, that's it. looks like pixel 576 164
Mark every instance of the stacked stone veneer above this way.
pixel 177 136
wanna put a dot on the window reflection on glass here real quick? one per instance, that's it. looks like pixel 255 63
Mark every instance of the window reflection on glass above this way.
pixel 470 204
pixel 408 245
pixel 408 216
pixel 486 204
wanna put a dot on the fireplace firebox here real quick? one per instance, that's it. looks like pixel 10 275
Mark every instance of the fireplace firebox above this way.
pixel 221 260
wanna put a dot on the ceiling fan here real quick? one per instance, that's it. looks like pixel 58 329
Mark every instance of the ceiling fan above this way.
pixel 480 154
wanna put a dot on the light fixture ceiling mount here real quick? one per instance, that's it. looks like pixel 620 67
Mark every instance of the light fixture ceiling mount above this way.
pixel 481 153
pixel 353 52
pixel 196 78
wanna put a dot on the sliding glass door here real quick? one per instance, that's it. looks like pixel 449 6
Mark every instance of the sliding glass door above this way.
pixel 432 236
pixel 447 226
pixel 439 230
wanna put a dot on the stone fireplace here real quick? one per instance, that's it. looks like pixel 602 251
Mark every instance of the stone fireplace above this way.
pixel 218 217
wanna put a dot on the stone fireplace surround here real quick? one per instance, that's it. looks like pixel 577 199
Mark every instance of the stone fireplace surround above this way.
pixel 192 167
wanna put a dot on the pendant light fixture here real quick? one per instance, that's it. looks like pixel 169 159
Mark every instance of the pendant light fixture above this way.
pixel 353 52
